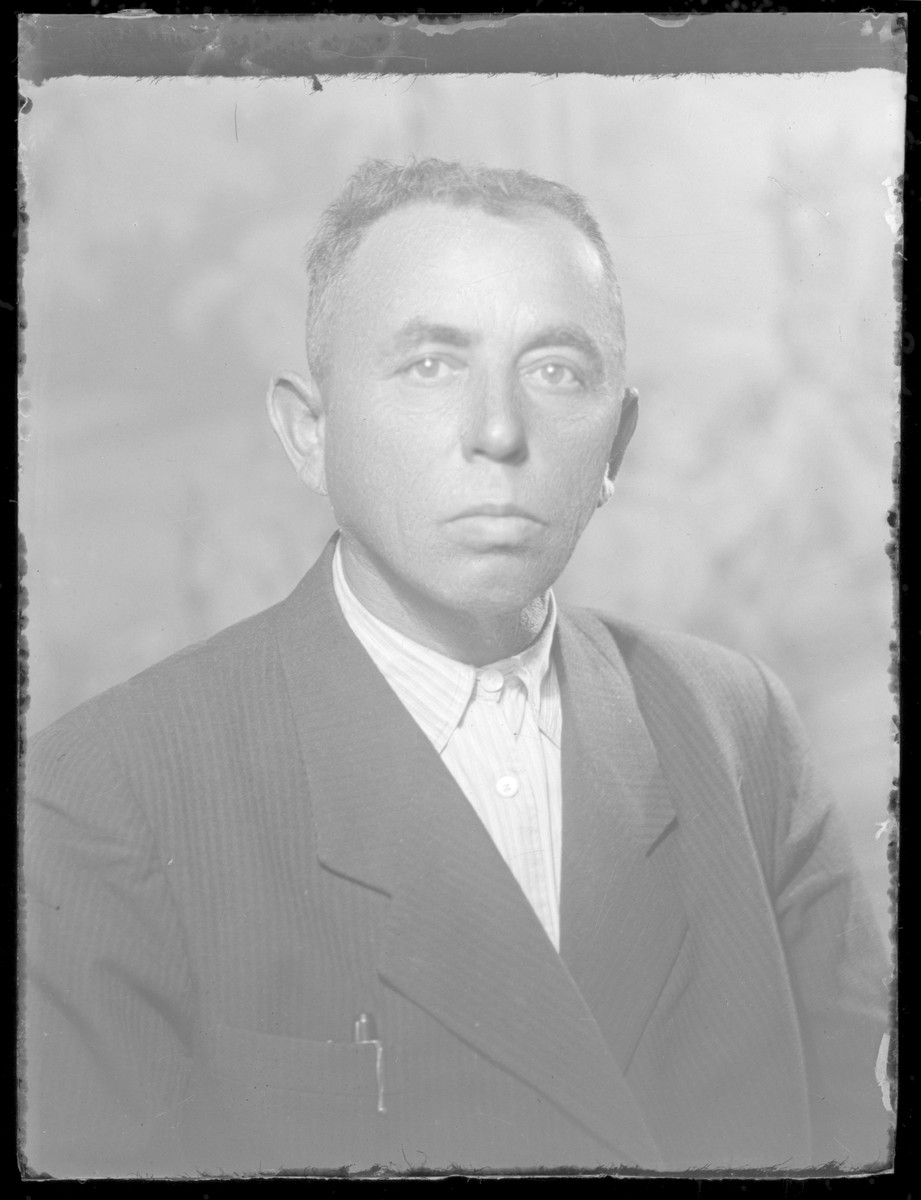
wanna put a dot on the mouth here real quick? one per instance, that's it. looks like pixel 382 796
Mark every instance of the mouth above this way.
pixel 497 528
pixel 498 512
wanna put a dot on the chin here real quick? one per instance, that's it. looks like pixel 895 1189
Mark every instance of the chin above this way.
pixel 498 585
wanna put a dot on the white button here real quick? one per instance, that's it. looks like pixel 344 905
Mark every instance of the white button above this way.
pixel 492 680
pixel 507 785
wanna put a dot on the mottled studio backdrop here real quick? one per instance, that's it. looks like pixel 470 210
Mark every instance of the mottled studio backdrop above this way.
pixel 752 222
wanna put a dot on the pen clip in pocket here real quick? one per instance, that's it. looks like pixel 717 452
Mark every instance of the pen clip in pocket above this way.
pixel 366 1035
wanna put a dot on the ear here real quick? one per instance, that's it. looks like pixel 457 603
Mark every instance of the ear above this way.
pixel 628 417
pixel 295 409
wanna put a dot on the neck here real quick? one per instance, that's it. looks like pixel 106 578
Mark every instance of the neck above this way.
pixel 468 637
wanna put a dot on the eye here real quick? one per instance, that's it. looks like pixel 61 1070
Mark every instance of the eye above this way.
pixel 557 376
pixel 429 370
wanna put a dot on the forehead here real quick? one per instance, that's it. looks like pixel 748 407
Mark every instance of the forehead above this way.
pixel 439 258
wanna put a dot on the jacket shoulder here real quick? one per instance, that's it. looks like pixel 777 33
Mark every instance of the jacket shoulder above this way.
pixel 664 657
pixel 686 679
pixel 715 710
pixel 200 678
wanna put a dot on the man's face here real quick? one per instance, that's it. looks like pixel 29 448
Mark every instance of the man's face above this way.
pixel 470 405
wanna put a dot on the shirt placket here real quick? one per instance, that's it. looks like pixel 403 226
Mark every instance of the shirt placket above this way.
pixel 519 786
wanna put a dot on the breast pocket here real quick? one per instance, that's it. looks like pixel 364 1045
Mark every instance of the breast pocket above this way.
pixel 297 1103
pixel 298 1064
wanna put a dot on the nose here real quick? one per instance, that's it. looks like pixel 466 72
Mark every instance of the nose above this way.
pixel 495 426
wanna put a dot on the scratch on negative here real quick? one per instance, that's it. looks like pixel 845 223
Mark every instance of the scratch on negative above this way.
pixel 799 195
pixel 843 1147
pixel 157 1116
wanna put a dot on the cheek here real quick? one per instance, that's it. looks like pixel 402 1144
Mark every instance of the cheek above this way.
pixel 576 466
pixel 380 473
pixel 357 448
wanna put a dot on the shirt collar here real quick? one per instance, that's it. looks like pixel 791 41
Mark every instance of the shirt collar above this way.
pixel 436 689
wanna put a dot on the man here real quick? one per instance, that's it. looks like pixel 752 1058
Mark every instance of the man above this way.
pixel 415 869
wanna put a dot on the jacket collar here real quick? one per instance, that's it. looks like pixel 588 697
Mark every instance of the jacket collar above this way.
pixel 462 941
pixel 622 918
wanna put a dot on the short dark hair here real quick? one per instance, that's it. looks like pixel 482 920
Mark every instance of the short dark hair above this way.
pixel 378 187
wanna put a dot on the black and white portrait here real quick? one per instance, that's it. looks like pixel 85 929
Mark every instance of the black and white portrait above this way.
pixel 459 731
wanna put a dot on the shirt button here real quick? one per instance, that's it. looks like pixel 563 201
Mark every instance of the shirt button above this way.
pixel 507 785
pixel 492 680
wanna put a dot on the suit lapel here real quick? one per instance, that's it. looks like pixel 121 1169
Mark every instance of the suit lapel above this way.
pixel 462 941
pixel 622 919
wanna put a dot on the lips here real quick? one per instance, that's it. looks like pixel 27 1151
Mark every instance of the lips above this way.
pixel 498 510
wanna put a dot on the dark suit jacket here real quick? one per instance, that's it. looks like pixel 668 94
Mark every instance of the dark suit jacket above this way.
pixel 234 854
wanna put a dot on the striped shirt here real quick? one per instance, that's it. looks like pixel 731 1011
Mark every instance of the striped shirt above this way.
pixel 496 728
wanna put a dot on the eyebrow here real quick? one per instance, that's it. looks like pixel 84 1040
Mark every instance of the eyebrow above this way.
pixel 573 336
pixel 417 332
